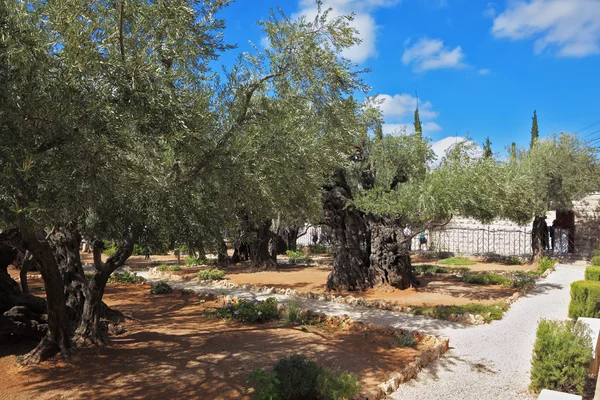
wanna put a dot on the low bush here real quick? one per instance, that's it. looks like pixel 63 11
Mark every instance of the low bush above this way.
pixel 512 261
pixel 161 288
pixel 456 261
pixel 561 354
pixel 592 273
pixel 211 274
pixel 427 268
pixel 169 268
pixel 126 278
pixel 317 249
pixel 488 312
pixel 293 314
pixel 250 310
pixel 110 251
pixel 486 279
pixel 406 340
pixel 195 261
pixel 585 299
pixel 596 261
pixel 296 377
pixel 545 263
pixel 596 253
pixel 295 256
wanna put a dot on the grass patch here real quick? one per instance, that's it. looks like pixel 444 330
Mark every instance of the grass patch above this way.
pixel 488 312
pixel 169 268
pixel 126 278
pixel 195 261
pixel 456 261
pixel 250 310
pixel 211 274
pixel 436 269
pixel 486 279
pixel 545 263
pixel 512 261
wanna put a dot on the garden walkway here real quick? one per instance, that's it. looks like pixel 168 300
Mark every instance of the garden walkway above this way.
pixel 484 362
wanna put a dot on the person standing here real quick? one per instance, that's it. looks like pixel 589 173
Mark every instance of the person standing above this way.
pixel 407 233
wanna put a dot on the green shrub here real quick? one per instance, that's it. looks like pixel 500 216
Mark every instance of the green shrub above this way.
pixel 596 253
pixel 488 312
pixel 297 378
pixel 585 299
pixel 406 340
pixel 126 278
pixel 296 256
pixel 195 261
pixel 292 314
pixel 456 261
pixel 211 274
pixel 596 261
pixel 250 310
pixel 434 269
pixel 512 261
pixel 110 251
pixel 317 249
pixel 486 279
pixel 592 273
pixel 161 288
pixel 561 354
pixel 545 263
pixel 169 268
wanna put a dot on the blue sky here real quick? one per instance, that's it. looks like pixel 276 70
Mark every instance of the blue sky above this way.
pixel 480 67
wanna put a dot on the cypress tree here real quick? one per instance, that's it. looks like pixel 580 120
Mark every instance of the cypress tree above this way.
pixel 418 129
pixel 535 133
pixel 487 148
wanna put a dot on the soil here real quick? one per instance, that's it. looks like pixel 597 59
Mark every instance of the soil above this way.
pixel 174 349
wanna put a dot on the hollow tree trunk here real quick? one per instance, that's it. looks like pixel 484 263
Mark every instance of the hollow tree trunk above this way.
pixel 537 232
pixel 390 258
pixel 259 246
pixel 57 338
pixel 351 238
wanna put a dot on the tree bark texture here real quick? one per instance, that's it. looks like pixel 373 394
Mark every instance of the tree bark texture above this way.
pixel 538 230
pixel 351 238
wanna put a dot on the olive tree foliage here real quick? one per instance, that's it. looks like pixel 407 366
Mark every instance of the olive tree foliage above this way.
pixel 95 100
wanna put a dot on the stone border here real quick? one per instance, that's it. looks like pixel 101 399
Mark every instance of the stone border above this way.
pixel 470 319
pixel 436 346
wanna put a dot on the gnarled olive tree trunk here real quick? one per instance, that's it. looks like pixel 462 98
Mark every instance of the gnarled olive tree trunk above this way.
pixel 538 230
pixel 390 258
pixel 351 238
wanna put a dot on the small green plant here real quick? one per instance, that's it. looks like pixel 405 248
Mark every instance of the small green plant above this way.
pixel 585 299
pixel 211 274
pixel 110 251
pixel 161 288
pixel 405 340
pixel 296 377
pixel 296 256
pixel 292 314
pixel 456 261
pixel 195 261
pixel 126 278
pixel 427 268
pixel 317 249
pixel 561 354
pixel 592 273
pixel 489 313
pixel 169 268
pixel 512 261
pixel 250 310
pixel 596 260
pixel 486 279
pixel 545 263
pixel 596 253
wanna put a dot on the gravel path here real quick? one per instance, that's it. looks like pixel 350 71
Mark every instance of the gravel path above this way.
pixel 484 362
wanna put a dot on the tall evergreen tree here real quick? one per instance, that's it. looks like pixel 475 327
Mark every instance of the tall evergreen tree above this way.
pixel 487 148
pixel 417 123
pixel 535 133
pixel 513 152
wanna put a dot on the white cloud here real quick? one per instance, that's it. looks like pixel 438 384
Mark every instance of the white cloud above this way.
pixel 363 22
pixel 427 54
pixel 570 26
pixel 398 109
pixel 401 105
pixel 439 147
pixel 484 71
pixel 490 10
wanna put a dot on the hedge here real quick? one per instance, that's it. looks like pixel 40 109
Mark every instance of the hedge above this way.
pixel 592 273
pixel 596 261
pixel 585 299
